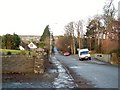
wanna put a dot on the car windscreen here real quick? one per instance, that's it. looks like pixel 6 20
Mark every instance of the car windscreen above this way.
pixel 84 52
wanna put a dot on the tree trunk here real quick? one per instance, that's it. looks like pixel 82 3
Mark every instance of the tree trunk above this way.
pixel 79 40
pixel 74 51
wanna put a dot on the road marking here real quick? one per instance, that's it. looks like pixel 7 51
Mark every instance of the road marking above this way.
pixel 74 59
pixel 75 67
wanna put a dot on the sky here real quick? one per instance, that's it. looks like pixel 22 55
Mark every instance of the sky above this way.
pixel 30 17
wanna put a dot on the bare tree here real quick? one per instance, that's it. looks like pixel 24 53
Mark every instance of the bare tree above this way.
pixel 79 29
pixel 95 29
pixel 109 11
pixel 69 31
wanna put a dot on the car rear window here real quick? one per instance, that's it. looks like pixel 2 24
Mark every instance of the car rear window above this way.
pixel 84 52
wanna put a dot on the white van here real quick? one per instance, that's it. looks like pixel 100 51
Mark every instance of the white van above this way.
pixel 84 54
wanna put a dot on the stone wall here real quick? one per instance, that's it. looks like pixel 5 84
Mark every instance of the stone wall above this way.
pixel 22 64
pixel 17 64
pixel 115 59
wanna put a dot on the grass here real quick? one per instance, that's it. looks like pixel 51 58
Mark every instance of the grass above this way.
pixel 13 51
pixel 92 55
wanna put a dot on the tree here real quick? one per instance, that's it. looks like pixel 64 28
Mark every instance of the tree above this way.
pixel 63 43
pixel 95 28
pixel 109 11
pixel 11 41
pixel 79 29
pixel 45 34
pixel 16 41
pixel 45 39
pixel 7 41
pixel 69 31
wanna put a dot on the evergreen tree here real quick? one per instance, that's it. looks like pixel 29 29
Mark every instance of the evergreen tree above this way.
pixel 10 41
pixel 45 38
pixel 16 41
pixel 45 34
pixel 7 41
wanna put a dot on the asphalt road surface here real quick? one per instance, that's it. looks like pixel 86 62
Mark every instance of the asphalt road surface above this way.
pixel 100 74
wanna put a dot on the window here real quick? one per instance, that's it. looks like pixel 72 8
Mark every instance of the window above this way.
pixel 84 52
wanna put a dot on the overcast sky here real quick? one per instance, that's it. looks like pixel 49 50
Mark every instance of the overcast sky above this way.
pixel 30 17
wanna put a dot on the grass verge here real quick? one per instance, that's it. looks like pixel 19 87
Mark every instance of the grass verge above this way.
pixel 14 51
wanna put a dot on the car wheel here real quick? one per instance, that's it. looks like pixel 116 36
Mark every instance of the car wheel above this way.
pixel 80 59
pixel 89 58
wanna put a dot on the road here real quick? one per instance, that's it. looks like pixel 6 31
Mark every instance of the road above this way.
pixel 100 74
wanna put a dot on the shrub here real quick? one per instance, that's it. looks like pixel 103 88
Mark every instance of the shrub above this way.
pixel 9 53
pixel 116 51
pixel 23 52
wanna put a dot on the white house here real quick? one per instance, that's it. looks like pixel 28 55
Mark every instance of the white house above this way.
pixel 21 48
pixel 32 45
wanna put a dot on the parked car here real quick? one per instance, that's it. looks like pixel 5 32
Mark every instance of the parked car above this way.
pixel 66 54
pixel 84 54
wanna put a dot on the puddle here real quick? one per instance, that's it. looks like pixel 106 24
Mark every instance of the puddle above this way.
pixel 53 71
pixel 64 80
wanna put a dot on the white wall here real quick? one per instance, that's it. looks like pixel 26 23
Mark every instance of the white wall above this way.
pixel 103 57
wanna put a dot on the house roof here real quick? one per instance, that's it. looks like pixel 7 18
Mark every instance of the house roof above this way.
pixel 32 45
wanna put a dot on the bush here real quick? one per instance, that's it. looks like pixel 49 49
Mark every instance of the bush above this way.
pixel 9 53
pixel 23 52
pixel 116 51
pixel 18 53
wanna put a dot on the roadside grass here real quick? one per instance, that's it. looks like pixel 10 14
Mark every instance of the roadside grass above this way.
pixel 14 51
pixel 92 55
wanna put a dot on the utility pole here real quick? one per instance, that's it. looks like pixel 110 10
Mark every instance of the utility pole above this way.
pixel 51 34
